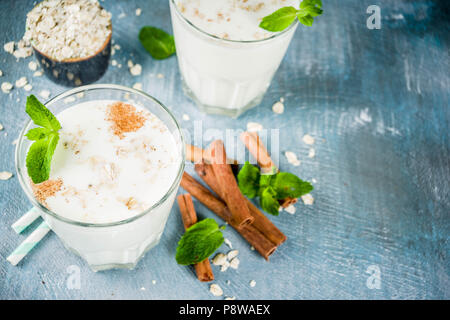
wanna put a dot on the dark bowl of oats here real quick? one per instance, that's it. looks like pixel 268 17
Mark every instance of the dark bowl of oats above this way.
pixel 71 40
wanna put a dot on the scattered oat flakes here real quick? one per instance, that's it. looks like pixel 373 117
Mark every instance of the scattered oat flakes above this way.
pixel 254 127
pixel 234 263
pixel 153 281
pixel 44 94
pixel 308 199
pixel 230 298
pixel 224 267
pixel 142 289
pixel 28 87
pixel 113 63
pixel 252 248
pixel 6 87
pixel 138 11
pixel 232 254
pixel 70 76
pixel 216 290
pixel 32 66
pixel 252 283
pixel 228 243
pixel 1 127
pixel 21 82
pixel 136 69
pixel 290 209
pixel 219 259
pixel 308 139
pixel 5 175
pixel 160 76
pixel 278 107
pixel 312 153
pixel 292 158
pixel 313 180
pixel 9 47
pixel 186 117
pixel 137 86
pixel 38 73
pixel 1 73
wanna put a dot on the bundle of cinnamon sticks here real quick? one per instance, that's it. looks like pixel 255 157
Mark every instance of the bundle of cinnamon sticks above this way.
pixel 227 201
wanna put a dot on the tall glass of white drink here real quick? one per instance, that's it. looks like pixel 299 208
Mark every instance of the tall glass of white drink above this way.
pixel 226 61
pixel 114 174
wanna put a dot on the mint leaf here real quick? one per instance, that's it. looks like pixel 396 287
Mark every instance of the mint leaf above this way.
pixel 248 180
pixel 289 185
pixel 39 158
pixel 283 17
pixel 46 137
pixel 306 20
pixel 40 115
pixel 269 202
pixel 199 242
pixel 157 42
pixel 279 20
pixel 37 133
pixel 310 3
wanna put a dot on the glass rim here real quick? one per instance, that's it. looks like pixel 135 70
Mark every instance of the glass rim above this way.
pixel 276 35
pixel 35 203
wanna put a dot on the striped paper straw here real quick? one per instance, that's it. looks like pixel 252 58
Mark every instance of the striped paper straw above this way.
pixel 28 244
pixel 26 220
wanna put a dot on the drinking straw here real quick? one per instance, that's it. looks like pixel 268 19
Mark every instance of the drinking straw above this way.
pixel 28 244
pixel 26 220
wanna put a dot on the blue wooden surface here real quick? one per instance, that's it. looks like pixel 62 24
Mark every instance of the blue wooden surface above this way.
pixel 382 191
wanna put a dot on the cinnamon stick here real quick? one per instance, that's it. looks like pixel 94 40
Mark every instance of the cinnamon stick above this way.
pixel 260 222
pixel 259 152
pixel 248 232
pixel 230 191
pixel 197 155
pixel 189 217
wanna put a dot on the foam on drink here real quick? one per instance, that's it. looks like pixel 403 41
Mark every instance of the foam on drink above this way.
pixel 232 19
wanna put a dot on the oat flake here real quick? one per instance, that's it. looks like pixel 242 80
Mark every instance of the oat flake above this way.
pixel 292 158
pixel 308 139
pixel 308 199
pixel 5 175
pixel 216 290
pixel 290 209
pixel 278 107
pixel 6 87
pixel 254 127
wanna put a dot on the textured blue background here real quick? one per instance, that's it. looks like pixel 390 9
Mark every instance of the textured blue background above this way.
pixel 382 191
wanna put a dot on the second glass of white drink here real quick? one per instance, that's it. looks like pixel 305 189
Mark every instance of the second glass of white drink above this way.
pixel 227 62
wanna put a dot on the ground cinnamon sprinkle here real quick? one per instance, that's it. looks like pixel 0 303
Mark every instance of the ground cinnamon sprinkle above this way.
pixel 124 118
pixel 46 189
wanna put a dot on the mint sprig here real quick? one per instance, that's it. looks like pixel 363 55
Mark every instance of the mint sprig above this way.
pixel 46 137
pixel 283 17
pixel 271 188
pixel 199 242
pixel 157 42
